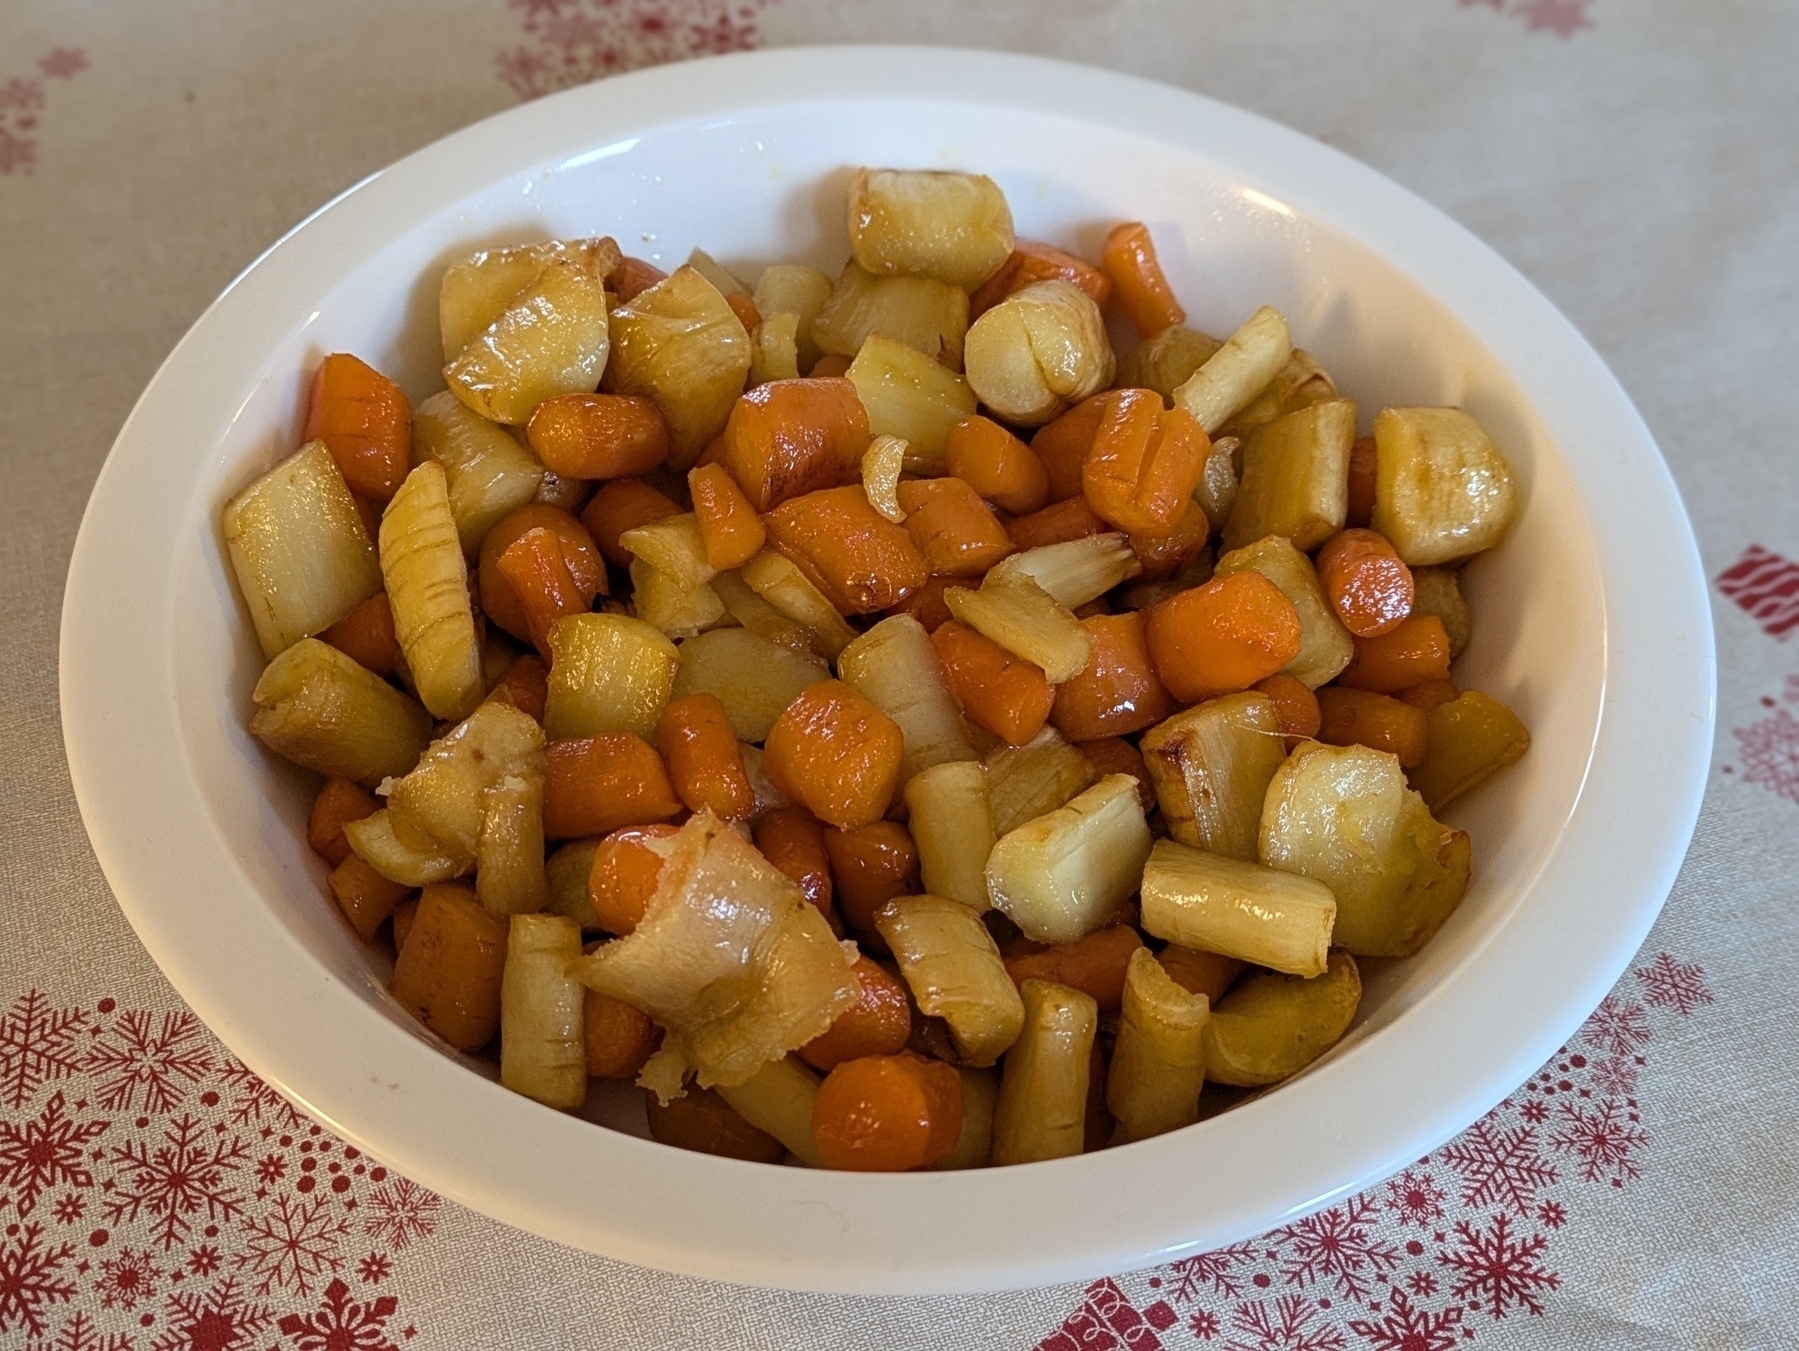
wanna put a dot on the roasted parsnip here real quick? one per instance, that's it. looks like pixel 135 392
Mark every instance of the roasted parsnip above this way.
pixel 681 344
pixel 441 803
pixel 510 878
pixel 487 472
pixel 565 881
pixel 542 1052
pixel 1211 765
pixel 1261 915
pixel 672 545
pixel 778 1098
pixel 1472 737
pixel 951 820
pixel 1038 351
pixel 1299 384
pixel 375 844
pixel 318 708
pixel 912 396
pixel 974 1146
pixel 1269 1027
pixel 664 603
pixel 1237 371
pixel 895 668
pixel 1159 1061
pixel 778 581
pixel 1438 591
pixel 799 291
pixel 551 339
pixel 1027 621
pixel 1165 361
pixel 1295 477
pixel 1442 490
pixel 1076 571
pixel 481 288
pixel 754 679
pixel 1042 1108
pixel 1028 781
pixel 953 968
pixel 608 673
pixel 427 586
pixel 881 466
pixel 954 228
pixel 928 316
pixel 1064 874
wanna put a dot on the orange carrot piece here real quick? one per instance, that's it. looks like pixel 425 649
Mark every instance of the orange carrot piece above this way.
pixel 534 568
pixel 619 1037
pixel 1361 481
pixel 745 310
pixel 997 465
pixel 1093 965
pixel 598 435
pixel 1164 555
pixel 623 504
pixel 705 763
pixel 366 636
pixel 955 531
pixel 637 276
pixel 787 438
pixel 1429 694
pixel 364 421
pixel 1066 520
pixel 1363 718
pixel 704 1122
pixel 1115 755
pixel 869 867
pixel 878 1023
pixel 792 839
pixel 623 876
pixel 1144 463
pixel 1118 692
pixel 1032 262
pixel 836 754
pixel 580 555
pixel 527 685
pixel 829 366
pixel 1416 651
pixel 886 1114
pixel 1007 695
pixel 926 604
pixel 1367 583
pixel 339 802
pixel 448 973
pixel 1129 259
pixel 404 913
pixel 364 895
pixel 1294 704
pixel 1223 636
pixel 729 527
pixel 594 785
pixel 1200 972
pixel 1063 444
pixel 859 559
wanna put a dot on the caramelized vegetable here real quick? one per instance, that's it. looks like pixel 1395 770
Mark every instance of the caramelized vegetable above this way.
pixel 1094 965
pixel 622 878
pixel 366 636
pixel 321 710
pixel 542 1024
pixel 1295 707
pixel 896 669
pixel 1007 696
pixel 860 561
pixel 609 673
pixel 1058 524
pixel 1223 636
pixel 953 227
pixel 1369 587
pixel 1262 915
pixel 997 465
pixel 621 506
pixel 618 1039
pixel 1158 1062
pixel 448 973
pixel 869 867
pixel 338 803
pixel 680 344
pixel 597 784
pixel 1349 717
pixel 1129 259
pixel 598 435
pixel 951 527
pixel 1118 692
pixel 1031 261
pixel 887 1113
pixel 364 421
pixel 1038 351
pixel 792 840
pixel 704 763
pixel 791 437
pixel 1063 875
pixel 1144 463
pixel 1412 652
pixel 728 525
pixel 704 1122
pixel 836 754
pixel 1211 766
pixel 1472 737
pixel 580 558
pixel 951 965
pixel 1442 489
pixel 1042 1108
pixel 878 1023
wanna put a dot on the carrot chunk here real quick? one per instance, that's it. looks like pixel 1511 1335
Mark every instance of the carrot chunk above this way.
pixel 596 784
pixel 1429 694
pixel 364 421
pixel 623 876
pixel 1200 972
pixel 623 504
pixel 580 556
pixel 792 839
pixel 836 754
pixel 619 1038
pixel 886 1114
pixel 534 568
pixel 997 465
pixel 705 763
pixel 869 867
pixel 1144 463
pixel 448 973
pixel 829 366
pixel 787 438
pixel 404 913
pixel 1414 652
pixel 1063 443
pixel 1007 695
pixel 366 636
pixel 1361 481
pixel 1368 584
pixel 1223 636
pixel 1364 718
pixel 598 435
pixel 1066 520
pixel 1129 259
pixel 704 1122
pixel 364 895
pixel 954 530
pixel 745 310
pixel 1164 555
pixel 729 527
pixel 926 604
pixel 878 1023
pixel 1032 262
pixel 1115 755
pixel 1094 965
pixel 527 685
pixel 859 559
pixel 1118 692
pixel 637 276
pixel 339 802
pixel 1294 705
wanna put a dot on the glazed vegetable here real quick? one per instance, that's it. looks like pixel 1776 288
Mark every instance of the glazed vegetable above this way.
pixel 1038 351
pixel 364 421
pixel 1064 874
pixel 608 673
pixel 427 584
pixel 951 965
pixel 1270 1026
pixel 449 971
pixel 1295 477
pixel 955 228
pixel 552 338
pixel 911 395
pixel 1211 765
pixel 928 316
pixel 1442 489
pixel 679 344
pixel 836 754
pixel 542 1048
pixel 1261 915
pixel 952 822
pixel 1042 1108
pixel 895 668
pixel 321 710
pixel 487 473
pixel 780 1099
pixel 1159 1063
pixel 753 678
pixel 1025 782
pixel 1237 371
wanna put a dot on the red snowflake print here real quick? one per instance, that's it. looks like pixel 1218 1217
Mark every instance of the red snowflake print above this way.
pixel 1193 1275
pixel 81 1333
pixel 1616 1076
pixel 1604 1138
pixel 374 1269
pixel 1498 1166
pixel 1552 1214
pixel 1410 1328
pixel 30 1277
pixel 401 1212
pixel 127 1280
pixel 219 1319
pixel 158 1057
pixel 1107 1321
pixel 1338 1247
pixel 1534 1112
pixel 1617 1027
pixel 175 1180
pixel 1564 18
pixel 1414 1198
pixel 63 63
pixel 1668 984
pixel 37 1042
pixel 203 1260
pixel 1766 586
pixel 21 101
pixel 1498 1269
pixel 1421 1282
pixel 343 1324
pixel 46 1151
pixel 1203 1325
pixel 1770 754
pixel 293 1246
pixel 254 1103
pixel 70 1207
pixel 575 41
pixel 1290 1323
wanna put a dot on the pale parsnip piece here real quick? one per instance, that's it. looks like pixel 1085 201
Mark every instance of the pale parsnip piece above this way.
pixel 1028 622
pixel 427 586
pixel 955 228
pixel 1217 490
pixel 1344 815
pixel 911 396
pixel 1237 371
pixel 488 473
pixel 1165 361
pixel 481 288
pixel 565 877
pixel 1075 571
pixel 1442 490
pixel 1295 477
pixel 1159 1060
pixel 672 545
pixel 608 673
pixel 775 349
pixel 974 1146
pixel 951 822
pixel 1269 1026
pixel 754 679
pixel 927 316
pixel 375 843
pixel 317 707
pixel 1301 383
pixel 1039 350
pixel 762 619
pixel 881 466
pixel 552 339
pixel 774 577
pixel 792 288
pixel 680 344
pixel 1211 765
pixel 1261 915
pixel 778 1099
pixel 302 558
pixel 895 668
pixel 1438 591
pixel 1325 646
pixel 1042 1108
pixel 1472 737
pixel 510 877
pixel 952 966
pixel 1064 874
pixel 768 797
pixel 1028 781
pixel 441 804
pixel 543 1051
pixel 716 273
pixel 664 603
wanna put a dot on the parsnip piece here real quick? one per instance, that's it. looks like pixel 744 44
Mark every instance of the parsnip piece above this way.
pixel 729 957
pixel 1270 1026
pixel 1438 591
pixel 895 668
pixel 1165 361
pixel 768 797
pixel 1261 915
pixel 1442 490
pixel 775 349
pixel 974 1146
pixel 1042 1108
pixel 912 396
pixel 672 545
pixel 1211 765
pixel 488 473
pixel 928 316
pixel 480 289
pixel 716 273
pixel 1217 490
pixel 778 1098
pixel 509 867
pixel 678 611
pixel 881 466
pixel 1472 737
pixel 1295 477
pixel 1064 874
pixel 552 339
pixel 681 345
pixel 441 804
pixel 375 843
pixel 952 966
pixel 1076 571
pixel 1159 1060
pixel 1028 781
pixel 543 1050
pixel 1325 646
pixel 1038 351
pixel 952 824
pixel 1299 384
pixel 1028 622
pixel 1343 815
pixel 761 618
pixel 1238 371
pixel 318 708
pixel 953 227
pixel 302 558
pixel 565 879
pixel 774 577
pixel 791 288
pixel 752 677
pixel 608 673
pixel 427 586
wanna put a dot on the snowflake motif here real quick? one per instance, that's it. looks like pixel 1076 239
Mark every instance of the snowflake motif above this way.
pixel 254 1102
pixel 157 1057
pixel 1499 1269
pixel 45 1152
pixel 1336 1245
pixel 1203 1325
pixel 342 1324
pixel 220 1319
pixel 30 1279
pixel 1287 1327
pixel 1770 753
pixel 1499 1166
pixel 1668 984
pixel 176 1179
pixel 1421 1283
pixel 36 1041
pixel 70 1208
pixel 203 1260
pixel 294 1245
pixel 63 63
pixel 374 1269
pixel 25 95
pixel 1415 1198
pixel 270 1169
pixel 1616 1076
pixel 1410 1328
pixel 1534 1112
pixel 1617 1027
pixel 1552 1214
pixel 575 41
pixel 127 1280
pixel 81 1333
pixel 1193 1274
pixel 1603 1138
pixel 1564 18
pixel 401 1213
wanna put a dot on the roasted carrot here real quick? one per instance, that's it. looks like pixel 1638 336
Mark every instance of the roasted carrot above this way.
pixel 791 437
pixel 1031 262
pixel 1368 584
pixel 364 895
pixel 619 1038
pixel 1364 718
pixel 829 366
pixel 535 570
pixel 623 876
pixel 1063 444
pixel 1066 520
pixel 729 527
pixel 1128 258
pixel 835 754
pixel 623 504
pixel 887 1113
pixel 745 309
pixel 926 604
pixel 792 839
pixel 702 1121
pixel 950 525
pixel 878 1023
pixel 1115 755
pixel 1093 965
pixel 339 802
pixel 366 635
pixel 580 555
pixel 1223 636
pixel 637 276
pixel 705 764
pixel 1118 692
pixel 597 784
pixel 364 421
pixel 1415 651
pixel 1429 694
pixel 1294 704
pixel 859 559
pixel 448 973
pixel 404 913
pixel 997 465
pixel 1199 972
pixel 598 435
pixel 1361 481
pixel 1164 555
pixel 869 867
pixel 1144 462
pixel 1007 695
pixel 527 685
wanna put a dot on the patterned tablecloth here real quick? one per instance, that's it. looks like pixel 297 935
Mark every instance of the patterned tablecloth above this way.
pixel 1637 160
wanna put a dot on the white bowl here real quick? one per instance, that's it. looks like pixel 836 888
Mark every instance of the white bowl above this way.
pixel 1591 620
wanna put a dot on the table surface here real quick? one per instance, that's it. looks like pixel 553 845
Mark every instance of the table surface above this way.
pixel 1637 161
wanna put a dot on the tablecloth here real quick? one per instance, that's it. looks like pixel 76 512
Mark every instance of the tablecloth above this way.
pixel 1637 160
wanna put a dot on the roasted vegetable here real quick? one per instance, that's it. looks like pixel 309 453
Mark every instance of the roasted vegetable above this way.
pixel 1262 915
pixel 427 585
pixel 1158 1063
pixel 551 339
pixel 1472 737
pixel 1064 874
pixel 1038 351
pixel 609 673
pixel 318 708
pixel 1270 1027
pixel 1042 1108
pixel 1211 765
pixel 542 1051
pixel 680 343
pixel 951 965
pixel 955 228
pixel 1442 489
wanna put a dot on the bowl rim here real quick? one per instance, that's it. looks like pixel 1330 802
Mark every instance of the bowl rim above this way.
pixel 1623 845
